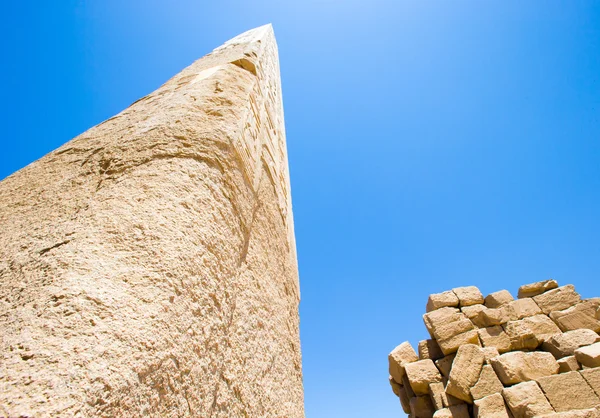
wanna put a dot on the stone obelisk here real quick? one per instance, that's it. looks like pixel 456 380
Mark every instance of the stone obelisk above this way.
pixel 148 266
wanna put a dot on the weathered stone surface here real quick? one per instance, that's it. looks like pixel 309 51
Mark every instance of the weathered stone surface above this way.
pixel 438 396
pixel 420 374
pixel 404 399
pixel 592 377
pixel 421 407
pixel 491 317
pixel 451 345
pixel 519 366
pixel 465 372
pixel 589 356
pixel 495 337
pixel 526 400
pixel 444 365
pixel 557 299
pixel 430 349
pixel 399 358
pixel 576 413
pixel 489 353
pixel 568 364
pixel 563 345
pixel 407 387
pixel 468 295
pixel 452 329
pixel 395 386
pixel 148 267
pixel 472 311
pixel 488 383
pixel 457 411
pixel 521 336
pixel 537 288
pixel 441 317
pixel 582 315
pixel 542 326
pixel 568 391
pixel 492 406
pixel 497 299
pixel 522 308
pixel 441 300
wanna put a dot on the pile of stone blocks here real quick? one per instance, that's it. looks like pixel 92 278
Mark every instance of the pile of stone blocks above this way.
pixel 534 356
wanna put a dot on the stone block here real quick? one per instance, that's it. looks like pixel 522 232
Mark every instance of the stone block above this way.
pixel 568 391
pixel 472 311
pixel 497 299
pixel 444 365
pixel 399 357
pixel 489 353
pixel 592 377
pixel 406 385
pixel 444 332
pixel 582 315
pixel 557 299
pixel 421 407
pixel 492 406
pixel 441 300
pixel 519 366
pixel 429 349
pixel 589 356
pixel 404 399
pixel 522 308
pixel 438 395
pixel 465 372
pixel 491 317
pixel 537 288
pixel 577 413
pixel 495 337
pixel 488 383
pixel 526 400
pixel 568 364
pixel 441 317
pixel 395 386
pixel 451 345
pixel 521 336
pixel 468 295
pixel 542 326
pixel 457 411
pixel 420 374
pixel 563 345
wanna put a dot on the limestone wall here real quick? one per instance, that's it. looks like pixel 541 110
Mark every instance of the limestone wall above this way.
pixel 536 356
pixel 148 266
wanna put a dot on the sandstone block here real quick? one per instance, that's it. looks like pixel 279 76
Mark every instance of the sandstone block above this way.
pixel 534 289
pixel 592 377
pixel 542 326
pixel 557 299
pixel 421 407
pixel 442 300
pixel 420 374
pixel 495 337
pixel 451 345
pixel 395 386
pixel 521 336
pixel 429 349
pixel 465 372
pixel 407 388
pixel 578 413
pixel 468 295
pixel 404 399
pixel 497 299
pixel 488 383
pixel 491 317
pixel 568 364
pixel 472 311
pixel 440 317
pixel 444 365
pixel 522 308
pixel 568 391
pixel 589 356
pixel 519 366
pixel 492 406
pixel 438 395
pixel 526 400
pixel 582 315
pixel 452 329
pixel 563 345
pixel 399 357
pixel 489 353
pixel 457 411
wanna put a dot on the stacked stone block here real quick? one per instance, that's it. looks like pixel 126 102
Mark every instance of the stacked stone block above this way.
pixel 499 357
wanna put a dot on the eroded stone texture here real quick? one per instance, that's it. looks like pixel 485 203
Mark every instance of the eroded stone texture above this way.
pixel 518 366
pixel 557 299
pixel 148 266
pixel 568 391
pixel 492 406
pixel 399 358
pixel 526 400
pixel 589 356
pixel 537 288
pixel 497 299
pixel 582 315
pixel 563 345
pixel 465 372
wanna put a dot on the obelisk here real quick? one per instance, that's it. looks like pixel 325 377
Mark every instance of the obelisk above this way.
pixel 148 266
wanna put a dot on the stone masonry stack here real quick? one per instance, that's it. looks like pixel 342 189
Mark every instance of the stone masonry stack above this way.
pixel 536 356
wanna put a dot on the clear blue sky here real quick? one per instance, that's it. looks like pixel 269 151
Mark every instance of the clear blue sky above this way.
pixel 431 145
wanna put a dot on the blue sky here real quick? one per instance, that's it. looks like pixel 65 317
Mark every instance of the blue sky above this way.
pixel 431 145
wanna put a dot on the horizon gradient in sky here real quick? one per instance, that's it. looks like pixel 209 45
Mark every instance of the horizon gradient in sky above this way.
pixel 431 145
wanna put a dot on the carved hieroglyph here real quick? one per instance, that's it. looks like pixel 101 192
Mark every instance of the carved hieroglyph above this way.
pixel 148 266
